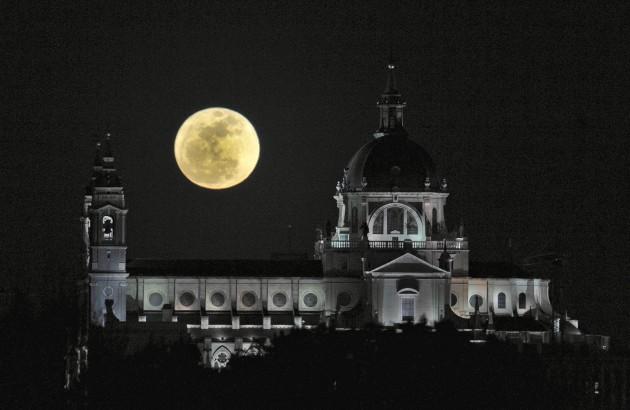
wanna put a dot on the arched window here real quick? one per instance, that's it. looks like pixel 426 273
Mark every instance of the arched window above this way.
pixel 501 300
pixel 395 220
pixel 355 220
pixel 108 227
pixel 522 301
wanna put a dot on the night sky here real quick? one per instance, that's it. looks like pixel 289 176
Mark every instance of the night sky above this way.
pixel 523 107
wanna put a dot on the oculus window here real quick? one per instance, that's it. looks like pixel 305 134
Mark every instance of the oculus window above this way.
pixel 248 299
pixel 217 299
pixel 279 299
pixel 155 299
pixel 344 299
pixel 476 301
pixel 187 299
pixel 310 300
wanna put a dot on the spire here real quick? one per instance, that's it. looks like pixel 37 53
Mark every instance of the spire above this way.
pixel 108 156
pixel 104 169
pixel 390 87
pixel 390 105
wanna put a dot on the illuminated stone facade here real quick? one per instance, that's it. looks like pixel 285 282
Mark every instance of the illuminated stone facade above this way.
pixel 389 259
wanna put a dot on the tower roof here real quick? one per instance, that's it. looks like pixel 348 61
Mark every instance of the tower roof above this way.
pixel 392 161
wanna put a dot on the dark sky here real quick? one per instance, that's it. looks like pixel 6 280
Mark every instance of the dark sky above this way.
pixel 522 105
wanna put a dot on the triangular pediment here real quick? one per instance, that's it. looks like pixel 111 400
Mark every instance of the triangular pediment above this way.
pixel 408 264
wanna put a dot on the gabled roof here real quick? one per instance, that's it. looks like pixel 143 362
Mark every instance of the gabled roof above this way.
pixel 409 264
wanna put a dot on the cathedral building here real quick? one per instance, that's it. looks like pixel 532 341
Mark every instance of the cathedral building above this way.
pixel 390 259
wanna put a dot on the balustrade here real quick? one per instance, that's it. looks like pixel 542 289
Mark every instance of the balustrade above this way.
pixel 359 244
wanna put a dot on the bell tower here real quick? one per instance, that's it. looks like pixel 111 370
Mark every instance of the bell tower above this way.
pixel 104 224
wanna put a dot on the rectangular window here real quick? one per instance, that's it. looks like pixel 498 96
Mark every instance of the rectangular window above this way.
pixel 378 224
pixel 412 225
pixel 407 307
pixel 355 220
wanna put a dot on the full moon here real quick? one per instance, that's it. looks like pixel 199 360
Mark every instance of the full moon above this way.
pixel 216 148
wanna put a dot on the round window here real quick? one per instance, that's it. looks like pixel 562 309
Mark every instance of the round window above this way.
pixel 217 299
pixel 476 301
pixel 187 299
pixel 248 299
pixel 453 299
pixel 155 299
pixel 310 299
pixel 279 299
pixel 344 299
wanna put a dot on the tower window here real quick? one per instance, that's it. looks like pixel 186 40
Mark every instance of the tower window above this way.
pixel 108 227
pixel 501 300
pixel 522 301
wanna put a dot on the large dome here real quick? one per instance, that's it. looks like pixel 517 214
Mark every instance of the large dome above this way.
pixel 389 164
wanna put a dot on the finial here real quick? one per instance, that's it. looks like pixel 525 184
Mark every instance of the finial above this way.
pixel 427 184
pixel 443 185
pixel 338 187
pixel 391 64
